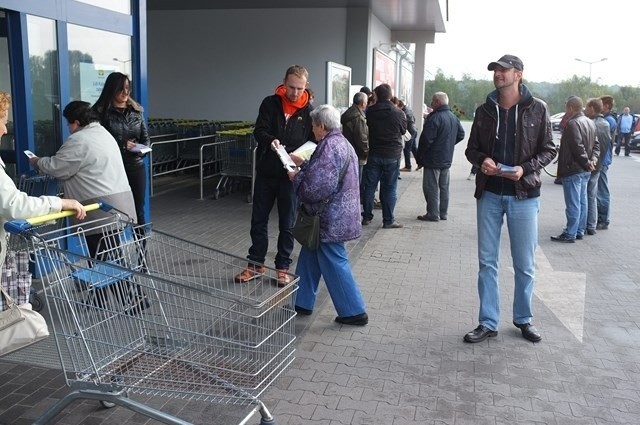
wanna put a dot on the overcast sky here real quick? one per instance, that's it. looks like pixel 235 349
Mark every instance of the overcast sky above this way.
pixel 546 34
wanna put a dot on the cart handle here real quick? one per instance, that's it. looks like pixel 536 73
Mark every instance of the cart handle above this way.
pixel 20 225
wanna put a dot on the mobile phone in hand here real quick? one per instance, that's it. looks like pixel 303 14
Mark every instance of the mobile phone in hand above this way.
pixel 29 154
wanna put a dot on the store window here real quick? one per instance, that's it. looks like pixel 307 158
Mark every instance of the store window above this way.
pixel 93 55
pixel 45 91
pixel 122 6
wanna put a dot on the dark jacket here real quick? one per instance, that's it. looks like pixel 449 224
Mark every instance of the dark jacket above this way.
pixel 387 123
pixel 271 125
pixel 533 148
pixel 578 145
pixel 442 130
pixel 125 125
pixel 354 128
pixel 411 120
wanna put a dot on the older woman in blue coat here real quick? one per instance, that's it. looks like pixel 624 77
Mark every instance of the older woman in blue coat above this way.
pixel 317 181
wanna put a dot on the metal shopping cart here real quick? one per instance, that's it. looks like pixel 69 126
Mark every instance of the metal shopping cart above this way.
pixel 33 185
pixel 153 314
pixel 237 165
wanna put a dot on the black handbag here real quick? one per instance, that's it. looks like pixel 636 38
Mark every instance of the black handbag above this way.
pixel 307 228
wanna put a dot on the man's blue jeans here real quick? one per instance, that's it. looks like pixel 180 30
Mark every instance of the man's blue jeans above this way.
pixel 330 261
pixel 604 197
pixel 575 200
pixel 592 200
pixel 522 225
pixel 265 193
pixel 385 171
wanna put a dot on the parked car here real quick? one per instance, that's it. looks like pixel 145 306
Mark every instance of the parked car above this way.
pixel 555 121
pixel 634 144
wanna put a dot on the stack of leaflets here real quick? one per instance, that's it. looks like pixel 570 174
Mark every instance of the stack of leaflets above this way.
pixel 305 151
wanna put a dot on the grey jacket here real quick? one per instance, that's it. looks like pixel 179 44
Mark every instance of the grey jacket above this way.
pixel 90 167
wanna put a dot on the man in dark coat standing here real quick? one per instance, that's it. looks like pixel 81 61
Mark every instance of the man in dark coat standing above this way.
pixel 442 130
pixel 387 123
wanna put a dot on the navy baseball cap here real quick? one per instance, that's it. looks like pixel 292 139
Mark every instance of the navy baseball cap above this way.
pixel 507 62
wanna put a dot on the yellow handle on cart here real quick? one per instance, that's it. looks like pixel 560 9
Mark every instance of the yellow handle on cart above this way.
pixel 62 214
pixel 17 226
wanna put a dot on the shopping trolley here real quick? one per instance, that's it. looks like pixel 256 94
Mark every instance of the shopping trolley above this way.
pixel 149 313
pixel 238 158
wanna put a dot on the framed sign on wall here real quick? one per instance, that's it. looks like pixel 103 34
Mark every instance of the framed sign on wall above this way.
pixel 338 85
pixel 384 69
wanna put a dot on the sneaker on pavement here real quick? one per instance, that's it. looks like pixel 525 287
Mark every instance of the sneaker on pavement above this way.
pixel 249 273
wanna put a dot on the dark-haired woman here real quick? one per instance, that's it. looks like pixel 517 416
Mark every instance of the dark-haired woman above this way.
pixel 88 163
pixel 122 117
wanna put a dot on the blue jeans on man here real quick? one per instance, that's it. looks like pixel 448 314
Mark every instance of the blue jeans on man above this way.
pixel 592 201
pixel 576 205
pixel 385 171
pixel 522 224
pixel 265 193
pixel 604 197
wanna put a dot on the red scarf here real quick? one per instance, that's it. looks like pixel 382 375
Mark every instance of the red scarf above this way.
pixel 289 108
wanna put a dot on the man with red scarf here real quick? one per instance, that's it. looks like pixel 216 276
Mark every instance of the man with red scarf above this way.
pixel 283 119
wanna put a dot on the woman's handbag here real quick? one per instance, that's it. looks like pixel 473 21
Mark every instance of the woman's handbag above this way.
pixel 15 277
pixel 20 326
pixel 307 228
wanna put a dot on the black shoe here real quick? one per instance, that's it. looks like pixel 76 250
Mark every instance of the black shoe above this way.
pixel 443 217
pixel 394 225
pixel 529 332
pixel 564 238
pixel 591 232
pixel 366 222
pixel 303 311
pixel 479 334
pixel 602 226
pixel 427 217
pixel 359 320
pixel 579 237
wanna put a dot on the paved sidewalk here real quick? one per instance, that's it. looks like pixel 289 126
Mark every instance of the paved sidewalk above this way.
pixel 410 365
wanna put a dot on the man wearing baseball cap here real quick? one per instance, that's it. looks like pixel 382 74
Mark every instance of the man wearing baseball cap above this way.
pixel 511 142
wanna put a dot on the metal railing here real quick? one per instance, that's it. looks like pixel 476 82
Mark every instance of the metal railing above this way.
pixel 173 156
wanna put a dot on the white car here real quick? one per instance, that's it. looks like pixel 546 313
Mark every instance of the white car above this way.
pixel 555 121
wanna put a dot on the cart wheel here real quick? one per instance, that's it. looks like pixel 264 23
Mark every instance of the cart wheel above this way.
pixel 264 421
pixel 36 302
pixel 107 404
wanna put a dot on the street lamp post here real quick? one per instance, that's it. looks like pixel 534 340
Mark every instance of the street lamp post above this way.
pixel 590 64
pixel 123 62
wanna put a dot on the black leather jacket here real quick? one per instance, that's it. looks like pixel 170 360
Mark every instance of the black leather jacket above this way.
pixel 534 147
pixel 126 124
